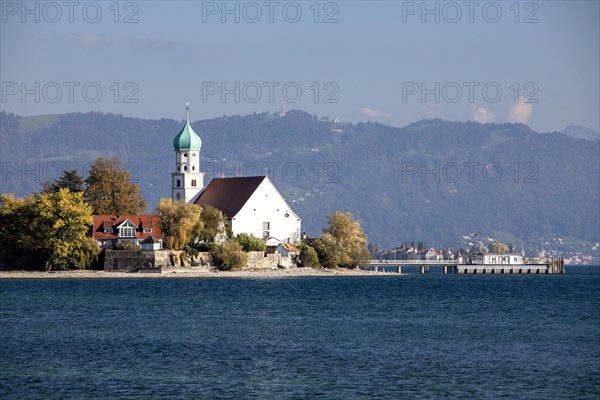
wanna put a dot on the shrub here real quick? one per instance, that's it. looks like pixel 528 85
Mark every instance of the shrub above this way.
pixel 250 242
pixel 229 255
pixel 126 246
pixel 308 257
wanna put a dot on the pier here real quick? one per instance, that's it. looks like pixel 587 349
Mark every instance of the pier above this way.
pixel 550 266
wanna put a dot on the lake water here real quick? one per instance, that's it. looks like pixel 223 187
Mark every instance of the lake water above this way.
pixel 467 336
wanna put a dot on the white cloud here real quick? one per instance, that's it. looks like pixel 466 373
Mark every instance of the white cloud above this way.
pixel 373 113
pixel 89 39
pixel 520 111
pixel 483 115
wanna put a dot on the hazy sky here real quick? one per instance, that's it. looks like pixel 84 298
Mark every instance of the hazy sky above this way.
pixel 392 62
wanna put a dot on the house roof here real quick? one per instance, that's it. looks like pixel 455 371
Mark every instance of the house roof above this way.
pixel 290 247
pixel 151 239
pixel 102 222
pixel 229 194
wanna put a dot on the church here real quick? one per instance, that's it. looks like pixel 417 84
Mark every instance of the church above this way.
pixel 252 204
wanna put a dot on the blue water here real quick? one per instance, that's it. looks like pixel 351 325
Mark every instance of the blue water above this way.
pixel 474 336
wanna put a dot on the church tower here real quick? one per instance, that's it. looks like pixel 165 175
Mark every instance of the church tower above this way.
pixel 188 181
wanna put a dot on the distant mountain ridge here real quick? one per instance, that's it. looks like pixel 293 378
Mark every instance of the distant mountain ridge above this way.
pixel 432 180
pixel 580 132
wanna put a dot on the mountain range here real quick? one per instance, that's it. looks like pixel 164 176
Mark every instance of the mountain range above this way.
pixel 433 180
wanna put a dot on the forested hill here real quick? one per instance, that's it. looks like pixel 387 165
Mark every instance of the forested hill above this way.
pixel 432 180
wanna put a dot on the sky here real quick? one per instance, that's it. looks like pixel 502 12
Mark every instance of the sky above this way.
pixel 393 62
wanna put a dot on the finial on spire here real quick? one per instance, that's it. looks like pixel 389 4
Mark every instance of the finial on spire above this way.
pixel 187 110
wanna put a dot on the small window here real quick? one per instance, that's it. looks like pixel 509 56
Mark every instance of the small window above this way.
pixel 193 167
pixel 193 154
pixel 193 183
pixel 178 183
pixel 178 196
pixel 266 234
pixel 178 168
pixel 266 226
pixel 108 230
pixel 185 155
pixel 147 230
pixel 185 167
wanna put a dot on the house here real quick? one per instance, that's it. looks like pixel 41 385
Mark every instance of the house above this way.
pixel 140 230
pixel 253 205
pixel 287 250
pixel 497 258
pixel 431 254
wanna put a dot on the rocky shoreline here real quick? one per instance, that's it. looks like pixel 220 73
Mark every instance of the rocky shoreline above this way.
pixel 188 273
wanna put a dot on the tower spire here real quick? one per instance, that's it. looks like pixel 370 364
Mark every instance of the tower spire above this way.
pixel 282 110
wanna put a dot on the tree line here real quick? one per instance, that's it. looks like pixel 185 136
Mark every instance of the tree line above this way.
pixel 52 227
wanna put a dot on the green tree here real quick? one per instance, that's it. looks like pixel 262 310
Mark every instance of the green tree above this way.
pixel 68 179
pixel 308 257
pixel 179 222
pixel 213 223
pixel 17 219
pixel 250 242
pixel 343 242
pixel 373 249
pixel 62 226
pixel 229 255
pixel 110 190
pixel 498 247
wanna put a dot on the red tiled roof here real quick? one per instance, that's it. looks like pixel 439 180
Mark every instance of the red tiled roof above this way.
pixel 229 194
pixel 102 222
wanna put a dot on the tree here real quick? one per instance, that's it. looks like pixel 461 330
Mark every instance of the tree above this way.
pixel 373 249
pixel 179 222
pixel 498 247
pixel 110 190
pixel 343 242
pixel 69 180
pixel 61 229
pixel 250 242
pixel 229 255
pixel 17 217
pixel 213 223
pixel 308 257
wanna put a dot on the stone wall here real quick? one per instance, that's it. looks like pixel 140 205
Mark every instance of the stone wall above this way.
pixel 262 260
pixel 128 260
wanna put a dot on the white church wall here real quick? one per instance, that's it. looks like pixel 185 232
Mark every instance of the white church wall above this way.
pixel 267 206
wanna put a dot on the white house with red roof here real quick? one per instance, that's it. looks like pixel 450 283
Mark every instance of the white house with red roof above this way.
pixel 140 230
pixel 252 204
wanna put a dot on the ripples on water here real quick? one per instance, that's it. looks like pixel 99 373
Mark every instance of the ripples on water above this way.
pixel 431 336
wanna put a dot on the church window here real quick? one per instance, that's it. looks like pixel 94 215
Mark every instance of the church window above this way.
pixel 185 167
pixel 178 168
pixel 193 182
pixel 193 167
pixel 178 196
pixel 266 234
pixel 185 155
pixel 266 226
pixel 178 184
